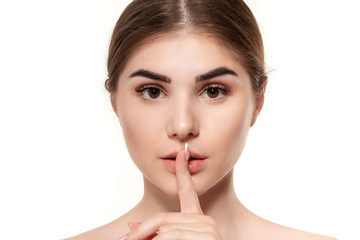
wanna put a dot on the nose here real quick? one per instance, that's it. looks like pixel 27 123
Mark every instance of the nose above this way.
pixel 182 121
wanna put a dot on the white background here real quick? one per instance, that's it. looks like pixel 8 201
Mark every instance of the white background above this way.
pixel 64 166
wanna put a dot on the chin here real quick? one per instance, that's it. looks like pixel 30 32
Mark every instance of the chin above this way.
pixel 201 189
pixel 170 189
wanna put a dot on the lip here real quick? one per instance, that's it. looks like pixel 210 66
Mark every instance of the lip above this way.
pixel 195 164
pixel 193 156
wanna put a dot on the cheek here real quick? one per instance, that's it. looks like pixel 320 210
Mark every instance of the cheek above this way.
pixel 229 131
pixel 142 129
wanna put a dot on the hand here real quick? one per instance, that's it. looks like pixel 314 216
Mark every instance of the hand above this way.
pixel 190 223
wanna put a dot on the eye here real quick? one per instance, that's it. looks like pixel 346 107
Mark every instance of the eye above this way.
pixel 214 91
pixel 151 92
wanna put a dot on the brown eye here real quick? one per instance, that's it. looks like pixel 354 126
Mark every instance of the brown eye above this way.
pixel 213 92
pixel 151 92
pixel 154 92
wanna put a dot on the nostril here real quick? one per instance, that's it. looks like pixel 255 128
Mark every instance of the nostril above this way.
pixel 182 128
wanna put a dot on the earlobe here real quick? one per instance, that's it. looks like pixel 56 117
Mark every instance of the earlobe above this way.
pixel 114 106
pixel 113 103
pixel 255 115
pixel 257 110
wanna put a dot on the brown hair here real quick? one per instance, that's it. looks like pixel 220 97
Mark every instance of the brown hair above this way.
pixel 230 21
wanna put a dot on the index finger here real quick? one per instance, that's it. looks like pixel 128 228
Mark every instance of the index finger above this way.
pixel 189 201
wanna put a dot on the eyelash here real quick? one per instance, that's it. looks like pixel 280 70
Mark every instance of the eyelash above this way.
pixel 143 88
pixel 224 90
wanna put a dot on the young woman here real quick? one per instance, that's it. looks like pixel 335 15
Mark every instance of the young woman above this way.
pixel 187 81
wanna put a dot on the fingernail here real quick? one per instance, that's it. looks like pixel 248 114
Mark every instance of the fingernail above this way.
pixel 187 152
pixel 130 224
pixel 123 237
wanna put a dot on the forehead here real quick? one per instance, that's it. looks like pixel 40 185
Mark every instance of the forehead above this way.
pixel 181 51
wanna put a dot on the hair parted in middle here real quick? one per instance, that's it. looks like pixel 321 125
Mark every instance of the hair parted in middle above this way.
pixel 229 21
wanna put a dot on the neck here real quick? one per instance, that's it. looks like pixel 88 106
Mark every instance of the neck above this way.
pixel 220 201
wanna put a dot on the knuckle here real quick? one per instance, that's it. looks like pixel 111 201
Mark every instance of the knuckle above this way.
pixel 176 233
pixel 210 221
pixel 161 217
pixel 132 234
pixel 161 237
pixel 172 234
pixel 163 229
pixel 210 236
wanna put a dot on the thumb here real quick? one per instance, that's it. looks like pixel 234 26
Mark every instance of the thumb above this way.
pixel 133 225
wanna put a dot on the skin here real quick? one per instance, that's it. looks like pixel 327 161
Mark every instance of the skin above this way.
pixel 180 204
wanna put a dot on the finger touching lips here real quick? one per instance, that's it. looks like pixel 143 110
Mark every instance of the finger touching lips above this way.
pixel 189 201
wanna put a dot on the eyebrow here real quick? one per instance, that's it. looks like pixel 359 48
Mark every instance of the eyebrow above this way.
pixel 215 73
pixel 151 75
pixel 163 78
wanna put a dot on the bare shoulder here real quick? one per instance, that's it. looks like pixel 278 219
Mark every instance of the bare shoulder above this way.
pixel 110 231
pixel 89 235
pixel 273 231
pixel 283 232
pixel 300 235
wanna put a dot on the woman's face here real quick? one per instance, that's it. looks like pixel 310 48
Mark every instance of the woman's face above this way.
pixel 178 89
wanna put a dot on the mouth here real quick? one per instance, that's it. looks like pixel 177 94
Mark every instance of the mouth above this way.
pixel 196 162
pixel 191 159
pixel 193 156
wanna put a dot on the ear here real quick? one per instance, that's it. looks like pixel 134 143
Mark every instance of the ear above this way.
pixel 259 104
pixel 114 106
pixel 113 102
